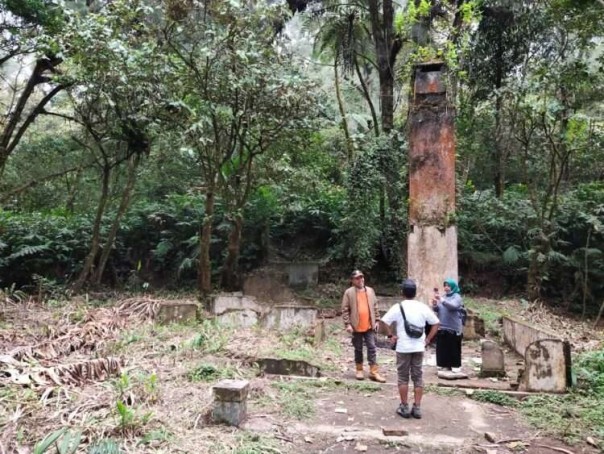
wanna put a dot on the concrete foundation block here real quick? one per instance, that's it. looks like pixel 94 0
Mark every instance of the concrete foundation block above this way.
pixel 177 313
pixel 231 390
pixel 287 316
pixel 231 413
pixel 230 402
pixel 474 327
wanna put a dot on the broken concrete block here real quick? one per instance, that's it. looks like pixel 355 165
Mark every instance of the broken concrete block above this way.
pixel 230 402
pixel 288 367
pixel 474 327
pixel 287 316
pixel 177 313
pixel 231 390
pixel 320 334
pixel 493 360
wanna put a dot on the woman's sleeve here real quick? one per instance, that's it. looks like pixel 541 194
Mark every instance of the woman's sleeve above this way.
pixel 452 302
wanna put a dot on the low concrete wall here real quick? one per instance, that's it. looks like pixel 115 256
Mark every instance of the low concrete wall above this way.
pixel 285 317
pixel 519 334
pixel 547 356
pixel 236 309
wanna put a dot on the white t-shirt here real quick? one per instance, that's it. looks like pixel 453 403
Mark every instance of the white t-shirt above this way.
pixel 416 313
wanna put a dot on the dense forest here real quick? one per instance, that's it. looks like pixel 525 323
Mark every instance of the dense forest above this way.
pixel 181 143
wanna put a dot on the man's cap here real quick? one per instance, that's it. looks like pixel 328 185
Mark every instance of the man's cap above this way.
pixel 409 283
pixel 356 273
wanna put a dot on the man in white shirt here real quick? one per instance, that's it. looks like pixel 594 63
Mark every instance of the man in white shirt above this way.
pixel 410 350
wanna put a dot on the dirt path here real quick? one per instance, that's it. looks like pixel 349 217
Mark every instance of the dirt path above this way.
pixel 350 421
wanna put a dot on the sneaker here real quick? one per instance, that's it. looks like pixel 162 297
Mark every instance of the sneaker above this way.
pixel 416 412
pixel 403 411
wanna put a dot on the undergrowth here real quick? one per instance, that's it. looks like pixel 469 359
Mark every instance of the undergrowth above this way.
pixel 579 413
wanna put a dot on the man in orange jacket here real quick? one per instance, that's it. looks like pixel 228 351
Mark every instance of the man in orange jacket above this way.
pixel 360 315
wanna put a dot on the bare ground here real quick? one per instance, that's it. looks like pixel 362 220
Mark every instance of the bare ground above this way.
pixel 165 381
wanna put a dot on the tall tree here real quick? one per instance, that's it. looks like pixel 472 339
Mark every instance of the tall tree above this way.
pixel 111 57
pixel 236 96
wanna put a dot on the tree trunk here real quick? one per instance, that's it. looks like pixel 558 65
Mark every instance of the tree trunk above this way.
pixel 96 232
pixel 229 271
pixel 386 48
pixel 124 203
pixel 367 96
pixel 349 146
pixel 204 272
pixel 12 131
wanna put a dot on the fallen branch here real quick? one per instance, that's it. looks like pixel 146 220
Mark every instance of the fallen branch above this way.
pixel 508 440
pixel 553 448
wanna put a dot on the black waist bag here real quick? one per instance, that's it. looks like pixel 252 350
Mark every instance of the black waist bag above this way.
pixel 412 330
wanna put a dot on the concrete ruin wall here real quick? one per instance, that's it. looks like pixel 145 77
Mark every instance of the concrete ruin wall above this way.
pixel 237 309
pixel 519 334
pixel 547 357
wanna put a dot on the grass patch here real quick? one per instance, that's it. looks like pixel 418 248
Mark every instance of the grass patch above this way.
pixel 495 397
pixel 206 372
pixel 295 400
pixel 489 313
pixel 442 390
pixel 578 414
pixel 572 416
pixel 212 337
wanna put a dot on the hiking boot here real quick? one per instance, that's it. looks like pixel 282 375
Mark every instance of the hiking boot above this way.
pixel 375 375
pixel 359 373
pixel 416 412
pixel 403 411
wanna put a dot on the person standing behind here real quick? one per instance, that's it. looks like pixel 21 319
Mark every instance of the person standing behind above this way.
pixel 359 312
pixel 410 350
pixel 450 332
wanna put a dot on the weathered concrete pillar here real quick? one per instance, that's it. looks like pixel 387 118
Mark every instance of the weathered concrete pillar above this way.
pixel 432 240
pixel 230 401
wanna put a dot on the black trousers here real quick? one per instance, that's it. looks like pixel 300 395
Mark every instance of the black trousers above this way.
pixel 368 337
pixel 448 348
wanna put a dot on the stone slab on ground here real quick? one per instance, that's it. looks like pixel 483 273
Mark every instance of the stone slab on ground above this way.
pixel 451 375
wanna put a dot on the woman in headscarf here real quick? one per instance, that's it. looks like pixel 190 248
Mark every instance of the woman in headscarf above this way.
pixel 450 333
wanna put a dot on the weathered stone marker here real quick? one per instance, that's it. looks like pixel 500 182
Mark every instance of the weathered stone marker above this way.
pixel 548 366
pixel 493 360
pixel 320 333
pixel 230 401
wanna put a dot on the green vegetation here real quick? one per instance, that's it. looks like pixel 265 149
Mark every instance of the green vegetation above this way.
pixel 206 372
pixel 580 412
pixel 296 397
pixel 247 443
pixel 495 397
pixel 211 337
pixel 489 312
